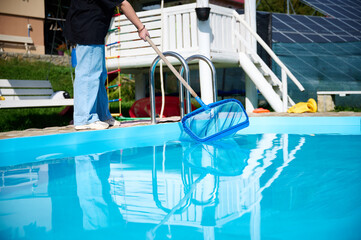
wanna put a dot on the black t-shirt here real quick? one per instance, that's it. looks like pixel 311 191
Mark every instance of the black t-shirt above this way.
pixel 88 21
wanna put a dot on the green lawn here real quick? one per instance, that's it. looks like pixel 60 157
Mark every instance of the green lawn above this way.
pixel 24 118
pixel 60 78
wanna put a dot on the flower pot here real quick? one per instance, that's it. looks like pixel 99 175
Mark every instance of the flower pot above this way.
pixel 203 13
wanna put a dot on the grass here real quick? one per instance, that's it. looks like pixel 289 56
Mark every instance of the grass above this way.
pixel 25 118
pixel 60 78
pixel 347 109
pixel 114 107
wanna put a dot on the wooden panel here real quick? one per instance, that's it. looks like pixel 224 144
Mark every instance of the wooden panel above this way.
pixel 228 30
pixel 186 31
pixel 172 32
pixel 137 44
pixel 36 103
pixel 237 41
pixel 212 22
pixel 181 8
pixel 165 37
pixel 136 52
pixel 225 35
pixel 17 39
pixel 130 40
pixel 132 28
pixel 142 15
pixel 26 97
pixel 24 83
pixel 19 91
pixel 178 25
pixel 145 20
pixel 219 31
pixel 147 13
pixel 194 29
pixel 221 10
pixel 134 35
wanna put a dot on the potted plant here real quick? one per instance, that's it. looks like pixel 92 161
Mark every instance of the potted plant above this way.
pixel 61 49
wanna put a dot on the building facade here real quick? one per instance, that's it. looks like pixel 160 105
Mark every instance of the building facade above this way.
pixel 20 21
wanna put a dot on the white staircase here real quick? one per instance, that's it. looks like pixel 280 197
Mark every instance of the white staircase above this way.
pixel 272 88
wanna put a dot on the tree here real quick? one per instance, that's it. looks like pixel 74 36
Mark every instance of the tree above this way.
pixel 280 6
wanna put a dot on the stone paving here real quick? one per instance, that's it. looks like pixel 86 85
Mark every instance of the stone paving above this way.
pixel 70 128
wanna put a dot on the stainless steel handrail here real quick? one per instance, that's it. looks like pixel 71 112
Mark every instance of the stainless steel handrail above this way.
pixel 214 78
pixel 152 84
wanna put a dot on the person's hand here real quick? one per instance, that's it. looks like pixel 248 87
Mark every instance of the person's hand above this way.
pixel 143 33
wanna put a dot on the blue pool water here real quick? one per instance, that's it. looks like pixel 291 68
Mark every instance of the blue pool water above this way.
pixel 274 183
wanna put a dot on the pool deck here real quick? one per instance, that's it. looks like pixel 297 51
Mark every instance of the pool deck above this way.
pixel 70 128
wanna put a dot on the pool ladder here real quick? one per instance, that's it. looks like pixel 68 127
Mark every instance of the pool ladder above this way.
pixel 184 71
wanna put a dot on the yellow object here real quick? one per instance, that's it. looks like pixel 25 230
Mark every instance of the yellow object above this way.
pixel 301 107
pixel 2 98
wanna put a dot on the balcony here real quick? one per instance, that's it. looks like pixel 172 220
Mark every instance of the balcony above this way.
pixel 176 31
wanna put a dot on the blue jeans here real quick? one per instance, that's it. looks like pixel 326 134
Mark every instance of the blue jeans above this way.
pixel 90 95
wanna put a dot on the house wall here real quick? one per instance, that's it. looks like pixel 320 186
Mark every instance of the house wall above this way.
pixel 15 15
pixel 29 8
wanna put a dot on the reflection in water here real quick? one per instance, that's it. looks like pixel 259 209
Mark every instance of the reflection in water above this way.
pixel 180 189
pixel 93 190
pixel 227 182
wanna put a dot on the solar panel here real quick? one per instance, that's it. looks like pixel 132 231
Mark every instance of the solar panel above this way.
pixel 300 38
pixel 342 24
pixel 355 25
pixel 301 28
pixel 281 37
pixel 289 20
pixel 327 24
pixel 337 58
pixel 317 38
pixel 281 26
pixel 345 9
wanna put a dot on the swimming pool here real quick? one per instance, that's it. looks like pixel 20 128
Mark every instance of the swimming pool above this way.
pixel 281 178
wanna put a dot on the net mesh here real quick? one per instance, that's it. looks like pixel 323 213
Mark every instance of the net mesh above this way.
pixel 216 120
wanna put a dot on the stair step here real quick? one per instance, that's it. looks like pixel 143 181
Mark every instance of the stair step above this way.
pixel 267 76
pixel 277 89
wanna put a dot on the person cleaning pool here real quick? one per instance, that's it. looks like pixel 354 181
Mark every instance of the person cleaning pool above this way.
pixel 87 24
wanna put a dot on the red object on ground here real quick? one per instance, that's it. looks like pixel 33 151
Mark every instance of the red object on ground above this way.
pixel 141 108
pixel 261 110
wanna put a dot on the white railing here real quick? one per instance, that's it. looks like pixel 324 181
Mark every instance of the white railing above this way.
pixel 180 28
pixel 20 177
pixel 285 72
pixel 221 21
pixel 177 32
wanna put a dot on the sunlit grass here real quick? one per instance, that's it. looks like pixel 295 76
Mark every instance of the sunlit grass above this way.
pixel 61 80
